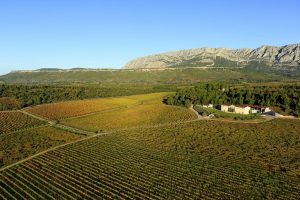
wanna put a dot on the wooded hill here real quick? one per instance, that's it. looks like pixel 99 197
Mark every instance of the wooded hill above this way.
pixel 285 97
pixel 141 76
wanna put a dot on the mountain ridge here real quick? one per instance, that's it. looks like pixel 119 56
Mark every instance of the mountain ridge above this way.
pixel 274 56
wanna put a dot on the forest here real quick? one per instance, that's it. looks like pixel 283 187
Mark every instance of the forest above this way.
pixel 19 96
pixel 284 97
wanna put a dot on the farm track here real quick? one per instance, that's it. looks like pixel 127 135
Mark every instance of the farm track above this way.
pixel 61 126
pixel 51 149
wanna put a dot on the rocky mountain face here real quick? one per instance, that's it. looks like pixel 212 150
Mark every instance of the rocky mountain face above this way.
pixel 287 57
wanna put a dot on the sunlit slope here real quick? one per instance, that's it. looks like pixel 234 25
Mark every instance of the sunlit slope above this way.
pixel 149 111
pixel 66 109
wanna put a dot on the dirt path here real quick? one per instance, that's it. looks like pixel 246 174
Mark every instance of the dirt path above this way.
pixel 34 116
pixel 60 126
pixel 199 117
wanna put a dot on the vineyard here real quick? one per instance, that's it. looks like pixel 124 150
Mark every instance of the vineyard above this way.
pixel 151 111
pixel 116 167
pixel 14 121
pixel 272 145
pixel 66 109
pixel 21 144
pixel 152 151
pixel 56 111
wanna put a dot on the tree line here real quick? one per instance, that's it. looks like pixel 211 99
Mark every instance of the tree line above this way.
pixel 20 96
pixel 285 97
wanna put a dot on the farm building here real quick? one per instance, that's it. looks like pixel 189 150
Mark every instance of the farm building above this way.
pixel 244 109
pixel 259 109
pixel 208 106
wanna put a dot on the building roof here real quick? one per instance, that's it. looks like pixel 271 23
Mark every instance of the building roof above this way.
pixel 253 106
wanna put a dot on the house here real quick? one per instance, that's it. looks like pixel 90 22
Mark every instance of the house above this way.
pixel 243 109
pixel 208 106
pixel 255 109
pixel 226 108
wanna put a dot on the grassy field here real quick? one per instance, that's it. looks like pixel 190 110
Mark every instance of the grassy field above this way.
pixel 19 145
pixel 149 111
pixel 14 121
pixel 120 166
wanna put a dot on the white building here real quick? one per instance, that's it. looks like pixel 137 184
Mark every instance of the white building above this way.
pixel 259 109
pixel 208 106
pixel 243 109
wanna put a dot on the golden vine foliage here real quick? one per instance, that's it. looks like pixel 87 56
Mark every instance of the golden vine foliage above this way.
pixel 14 121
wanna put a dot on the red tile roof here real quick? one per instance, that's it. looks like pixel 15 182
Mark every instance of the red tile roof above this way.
pixel 252 106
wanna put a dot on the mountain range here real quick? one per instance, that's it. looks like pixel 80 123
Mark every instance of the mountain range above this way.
pixel 266 63
pixel 282 57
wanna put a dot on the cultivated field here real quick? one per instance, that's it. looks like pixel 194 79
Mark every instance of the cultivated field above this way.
pixel 272 145
pixel 14 121
pixel 21 144
pixel 150 111
pixel 118 167
pixel 66 109
pixel 152 151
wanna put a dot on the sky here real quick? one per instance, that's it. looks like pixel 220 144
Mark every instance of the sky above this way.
pixel 109 33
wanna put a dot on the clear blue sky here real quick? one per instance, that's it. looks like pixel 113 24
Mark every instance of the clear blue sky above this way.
pixel 95 33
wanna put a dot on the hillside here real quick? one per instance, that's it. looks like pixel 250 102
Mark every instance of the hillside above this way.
pixel 287 57
pixel 146 76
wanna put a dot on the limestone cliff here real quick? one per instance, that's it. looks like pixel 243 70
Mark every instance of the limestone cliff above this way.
pixel 285 56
